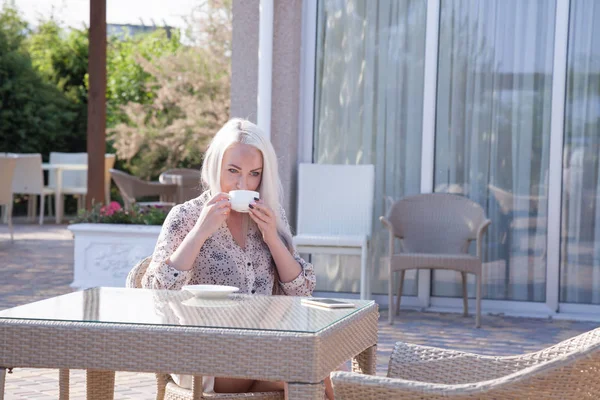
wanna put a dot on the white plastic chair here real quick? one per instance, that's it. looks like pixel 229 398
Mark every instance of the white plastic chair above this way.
pixel 29 179
pixel 75 182
pixel 335 212
pixel 7 166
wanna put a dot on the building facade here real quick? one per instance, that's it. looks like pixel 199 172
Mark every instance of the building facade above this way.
pixel 496 100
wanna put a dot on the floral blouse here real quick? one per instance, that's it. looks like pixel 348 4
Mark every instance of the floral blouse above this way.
pixel 221 261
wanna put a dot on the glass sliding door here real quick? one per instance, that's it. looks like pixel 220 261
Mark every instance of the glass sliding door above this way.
pixel 580 233
pixel 369 110
pixel 493 134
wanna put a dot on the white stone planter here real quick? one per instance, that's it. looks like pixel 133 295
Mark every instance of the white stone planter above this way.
pixel 105 253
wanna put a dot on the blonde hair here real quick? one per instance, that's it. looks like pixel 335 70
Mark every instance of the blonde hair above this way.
pixel 238 130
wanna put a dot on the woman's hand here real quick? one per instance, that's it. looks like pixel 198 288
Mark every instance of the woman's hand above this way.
pixel 265 219
pixel 214 213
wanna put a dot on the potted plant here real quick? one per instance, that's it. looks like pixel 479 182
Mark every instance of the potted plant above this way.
pixel 109 240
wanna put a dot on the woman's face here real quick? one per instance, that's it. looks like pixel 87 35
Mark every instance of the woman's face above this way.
pixel 241 168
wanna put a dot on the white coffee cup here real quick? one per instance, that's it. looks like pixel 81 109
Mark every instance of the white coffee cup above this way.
pixel 241 199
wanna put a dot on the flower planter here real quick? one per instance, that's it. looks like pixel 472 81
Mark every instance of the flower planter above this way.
pixel 105 253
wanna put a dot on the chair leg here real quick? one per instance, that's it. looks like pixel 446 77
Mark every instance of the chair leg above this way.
pixel 402 272
pixel 63 384
pixel 161 385
pixel 29 204
pixel 2 379
pixel 478 304
pixel 391 297
pixel 34 207
pixel 364 275
pixel 197 389
pixel 100 385
pixel 10 224
pixel 51 205
pixel 465 298
pixel 42 201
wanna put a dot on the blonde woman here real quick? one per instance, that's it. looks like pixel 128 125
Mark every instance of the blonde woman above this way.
pixel 204 241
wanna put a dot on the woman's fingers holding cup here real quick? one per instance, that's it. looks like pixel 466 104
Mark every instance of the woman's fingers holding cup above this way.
pixel 218 197
pixel 223 203
pixel 258 205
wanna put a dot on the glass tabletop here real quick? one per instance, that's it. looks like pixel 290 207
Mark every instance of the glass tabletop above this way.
pixel 179 307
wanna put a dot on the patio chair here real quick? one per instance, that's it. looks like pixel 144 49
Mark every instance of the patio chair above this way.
pixel 187 181
pixel 7 166
pixel 436 230
pixel 166 388
pixel 567 370
pixel 75 182
pixel 335 212
pixel 132 188
pixel 29 179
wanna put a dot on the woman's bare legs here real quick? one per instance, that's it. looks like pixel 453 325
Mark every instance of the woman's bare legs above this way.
pixel 232 385
pixel 268 386
pixel 328 388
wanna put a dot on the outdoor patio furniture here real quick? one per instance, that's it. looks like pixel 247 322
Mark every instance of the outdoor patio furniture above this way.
pixel 73 181
pixel 132 188
pixel 106 329
pixel 7 166
pixel 335 212
pixel 187 181
pixel 166 388
pixel 567 370
pixel 436 230
pixel 29 179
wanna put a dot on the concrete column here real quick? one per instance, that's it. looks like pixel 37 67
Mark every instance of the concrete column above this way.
pixel 287 41
pixel 244 59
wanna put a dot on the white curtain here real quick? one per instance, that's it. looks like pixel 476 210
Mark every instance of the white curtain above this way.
pixel 369 110
pixel 493 134
pixel 580 250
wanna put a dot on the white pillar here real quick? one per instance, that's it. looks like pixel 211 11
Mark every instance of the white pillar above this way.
pixel 265 66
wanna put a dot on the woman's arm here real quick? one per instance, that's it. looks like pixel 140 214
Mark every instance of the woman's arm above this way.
pixel 180 241
pixel 297 277
pixel 287 266
pixel 213 214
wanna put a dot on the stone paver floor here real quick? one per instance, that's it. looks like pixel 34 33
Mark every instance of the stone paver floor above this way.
pixel 39 264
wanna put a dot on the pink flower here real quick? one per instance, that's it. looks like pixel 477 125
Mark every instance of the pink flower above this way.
pixel 110 209
pixel 115 206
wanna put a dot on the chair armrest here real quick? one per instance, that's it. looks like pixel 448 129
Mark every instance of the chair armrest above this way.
pixel 567 375
pixel 353 386
pixel 386 223
pixel 155 189
pixel 480 232
pixel 432 364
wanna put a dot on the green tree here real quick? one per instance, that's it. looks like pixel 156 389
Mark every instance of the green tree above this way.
pixel 33 113
pixel 126 78
pixel 189 103
pixel 61 59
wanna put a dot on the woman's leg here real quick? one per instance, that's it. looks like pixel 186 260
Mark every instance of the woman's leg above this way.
pixel 328 388
pixel 268 386
pixel 232 385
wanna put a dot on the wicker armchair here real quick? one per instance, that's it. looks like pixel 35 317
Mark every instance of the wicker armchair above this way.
pixel 132 188
pixel 166 388
pixel 568 370
pixel 436 230
pixel 187 181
